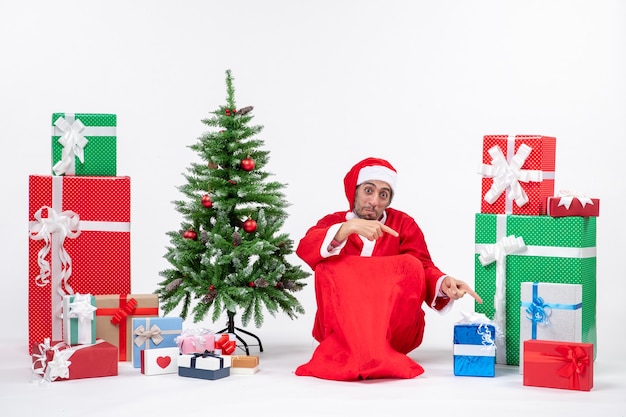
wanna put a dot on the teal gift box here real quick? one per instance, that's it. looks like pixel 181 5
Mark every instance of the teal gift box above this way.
pixel 154 332
pixel 79 319
pixel 84 144
pixel 511 249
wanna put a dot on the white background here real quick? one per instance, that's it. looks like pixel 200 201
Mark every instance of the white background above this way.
pixel 416 82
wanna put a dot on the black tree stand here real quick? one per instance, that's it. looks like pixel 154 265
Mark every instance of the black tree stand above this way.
pixel 232 329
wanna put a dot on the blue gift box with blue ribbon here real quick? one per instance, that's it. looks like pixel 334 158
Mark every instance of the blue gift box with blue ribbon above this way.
pixel 474 350
pixel 550 311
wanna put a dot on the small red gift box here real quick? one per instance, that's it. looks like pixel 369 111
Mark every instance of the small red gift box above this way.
pixel 58 361
pixel 557 364
pixel 518 174
pixel 79 243
pixel 566 204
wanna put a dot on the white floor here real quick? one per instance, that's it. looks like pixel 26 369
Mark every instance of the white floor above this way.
pixel 276 391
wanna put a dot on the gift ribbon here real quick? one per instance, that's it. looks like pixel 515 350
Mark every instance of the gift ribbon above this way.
pixel 73 143
pixel 206 354
pixel 81 309
pixel 575 361
pixel 59 366
pixel 497 253
pixel 508 173
pixel 144 335
pixel 226 344
pixel 123 312
pixel 538 311
pixel 53 230
pixel 566 198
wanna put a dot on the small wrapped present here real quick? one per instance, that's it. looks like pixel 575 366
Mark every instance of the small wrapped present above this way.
pixel 154 332
pixel 84 144
pixel 558 364
pixel 77 245
pixel 58 361
pixel 244 364
pixel 225 344
pixel 79 319
pixel 569 203
pixel 204 366
pixel 518 174
pixel 196 341
pixel 550 311
pixel 474 347
pixel 114 318
pixel 159 361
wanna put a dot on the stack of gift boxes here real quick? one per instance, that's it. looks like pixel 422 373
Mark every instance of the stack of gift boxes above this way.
pixel 535 264
pixel 83 319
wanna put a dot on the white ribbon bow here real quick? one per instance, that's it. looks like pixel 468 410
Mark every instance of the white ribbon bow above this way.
pixel 497 253
pixel 66 224
pixel 73 143
pixel 81 308
pixel 58 367
pixel 508 175
pixel 568 196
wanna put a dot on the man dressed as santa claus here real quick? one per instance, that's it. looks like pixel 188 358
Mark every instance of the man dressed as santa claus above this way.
pixel 373 273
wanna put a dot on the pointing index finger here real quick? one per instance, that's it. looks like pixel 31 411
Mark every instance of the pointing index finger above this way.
pixel 390 231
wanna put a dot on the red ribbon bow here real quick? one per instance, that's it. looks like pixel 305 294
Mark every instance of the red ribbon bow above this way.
pixel 123 312
pixel 576 361
pixel 228 346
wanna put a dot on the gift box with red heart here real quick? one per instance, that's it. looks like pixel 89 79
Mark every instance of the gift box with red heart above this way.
pixel 159 361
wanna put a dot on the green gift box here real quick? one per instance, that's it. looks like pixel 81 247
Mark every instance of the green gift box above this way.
pixel 511 249
pixel 84 144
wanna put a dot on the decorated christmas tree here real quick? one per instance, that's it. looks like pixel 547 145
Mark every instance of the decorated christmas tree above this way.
pixel 230 254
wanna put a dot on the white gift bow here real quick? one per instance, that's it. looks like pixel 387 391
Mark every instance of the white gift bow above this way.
pixel 568 196
pixel 508 175
pixel 81 308
pixel 66 224
pixel 59 366
pixel 73 143
pixel 497 253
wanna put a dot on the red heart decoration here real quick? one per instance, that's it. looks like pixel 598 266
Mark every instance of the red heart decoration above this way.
pixel 164 361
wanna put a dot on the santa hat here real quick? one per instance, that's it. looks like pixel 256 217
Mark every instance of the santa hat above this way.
pixel 367 170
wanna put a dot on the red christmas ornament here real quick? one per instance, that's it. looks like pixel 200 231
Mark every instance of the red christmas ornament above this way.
pixel 233 182
pixel 227 111
pixel 251 284
pixel 249 226
pixel 212 287
pixel 190 234
pixel 206 201
pixel 247 164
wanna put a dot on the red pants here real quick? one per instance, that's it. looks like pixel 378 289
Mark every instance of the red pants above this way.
pixel 369 315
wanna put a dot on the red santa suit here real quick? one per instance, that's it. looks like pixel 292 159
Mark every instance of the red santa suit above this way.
pixel 369 293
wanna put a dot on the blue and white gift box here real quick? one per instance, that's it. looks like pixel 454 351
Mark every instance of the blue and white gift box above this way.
pixel 550 311
pixel 153 333
pixel 474 349
pixel 204 365
pixel 79 319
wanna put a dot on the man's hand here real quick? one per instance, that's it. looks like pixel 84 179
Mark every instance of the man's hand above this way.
pixel 456 289
pixel 369 229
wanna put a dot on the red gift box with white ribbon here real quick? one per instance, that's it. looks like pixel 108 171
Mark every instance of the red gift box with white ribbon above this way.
pixel 79 242
pixel 518 174
pixel 570 203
